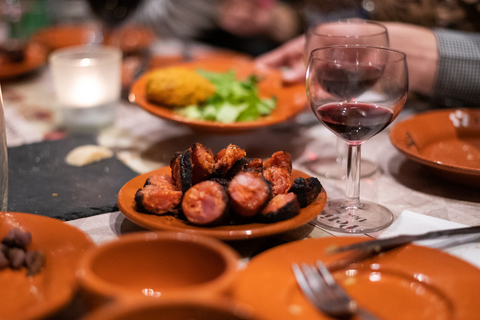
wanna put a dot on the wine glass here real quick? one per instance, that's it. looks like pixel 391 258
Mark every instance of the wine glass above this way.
pixel 356 91
pixel 112 14
pixel 345 31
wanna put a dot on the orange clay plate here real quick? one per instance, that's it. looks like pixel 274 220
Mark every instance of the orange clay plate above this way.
pixel 37 297
pixel 290 99
pixel 126 204
pixel 447 141
pixel 412 282
pixel 35 57
pixel 131 38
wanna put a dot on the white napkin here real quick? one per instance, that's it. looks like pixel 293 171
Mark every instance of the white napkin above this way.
pixel 466 247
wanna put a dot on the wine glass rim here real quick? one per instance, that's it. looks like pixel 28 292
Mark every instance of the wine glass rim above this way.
pixel 349 21
pixel 401 54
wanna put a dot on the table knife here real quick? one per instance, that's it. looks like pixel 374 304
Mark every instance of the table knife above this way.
pixel 380 245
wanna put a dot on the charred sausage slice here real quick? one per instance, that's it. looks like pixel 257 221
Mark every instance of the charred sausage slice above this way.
pixel 281 207
pixel 307 190
pixel 245 164
pixel 203 162
pixel 278 170
pixel 205 203
pixel 280 178
pixel 281 159
pixel 156 199
pixel 226 158
pixel 249 192
pixel 181 166
pixel 164 180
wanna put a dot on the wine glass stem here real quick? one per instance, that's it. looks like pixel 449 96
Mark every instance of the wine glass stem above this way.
pixel 352 190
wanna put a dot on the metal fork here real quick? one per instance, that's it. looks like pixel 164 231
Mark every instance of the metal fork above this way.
pixel 317 283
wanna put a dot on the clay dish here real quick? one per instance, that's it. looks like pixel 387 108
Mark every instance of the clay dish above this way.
pixel 157 265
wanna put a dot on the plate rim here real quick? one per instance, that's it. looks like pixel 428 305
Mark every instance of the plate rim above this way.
pixel 125 202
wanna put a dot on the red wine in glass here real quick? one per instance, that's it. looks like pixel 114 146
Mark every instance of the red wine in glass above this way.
pixel 356 91
pixel 354 122
pixel 347 82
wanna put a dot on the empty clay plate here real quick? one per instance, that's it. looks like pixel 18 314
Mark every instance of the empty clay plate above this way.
pixel 446 141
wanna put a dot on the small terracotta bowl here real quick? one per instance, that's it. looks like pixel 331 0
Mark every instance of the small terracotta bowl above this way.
pixel 168 309
pixel 157 265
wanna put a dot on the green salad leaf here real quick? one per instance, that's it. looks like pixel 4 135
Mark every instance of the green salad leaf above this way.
pixel 234 100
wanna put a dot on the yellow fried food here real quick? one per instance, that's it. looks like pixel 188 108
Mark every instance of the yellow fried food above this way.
pixel 177 86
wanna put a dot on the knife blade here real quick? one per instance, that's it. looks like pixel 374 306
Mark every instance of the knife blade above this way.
pixel 380 245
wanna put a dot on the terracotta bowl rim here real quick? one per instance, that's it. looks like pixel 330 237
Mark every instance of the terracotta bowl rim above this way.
pixel 90 281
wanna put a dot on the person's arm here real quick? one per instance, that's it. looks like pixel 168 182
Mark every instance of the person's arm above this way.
pixel 458 75
pixel 420 46
pixel 289 57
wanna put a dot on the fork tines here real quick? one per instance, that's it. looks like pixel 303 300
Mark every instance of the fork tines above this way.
pixel 319 286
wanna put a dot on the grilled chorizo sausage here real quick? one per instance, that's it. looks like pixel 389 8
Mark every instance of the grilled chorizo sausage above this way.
pixel 181 167
pixel 278 170
pixel 280 178
pixel 226 158
pixel 249 192
pixel 307 190
pixel 205 203
pixel 203 163
pixel 281 159
pixel 245 164
pixel 157 199
pixel 280 207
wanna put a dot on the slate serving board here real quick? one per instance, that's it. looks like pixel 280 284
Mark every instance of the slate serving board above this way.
pixel 41 182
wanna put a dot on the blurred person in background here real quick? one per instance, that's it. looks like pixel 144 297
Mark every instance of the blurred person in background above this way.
pixel 249 26
pixel 440 38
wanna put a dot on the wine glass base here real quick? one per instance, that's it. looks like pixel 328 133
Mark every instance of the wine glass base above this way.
pixel 332 168
pixel 339 216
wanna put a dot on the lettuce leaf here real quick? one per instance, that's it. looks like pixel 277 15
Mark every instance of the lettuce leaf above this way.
pixel 234 100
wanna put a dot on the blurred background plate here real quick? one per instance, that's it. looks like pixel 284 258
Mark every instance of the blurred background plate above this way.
pixel 130 38
pixel 35 57
pixel 291 99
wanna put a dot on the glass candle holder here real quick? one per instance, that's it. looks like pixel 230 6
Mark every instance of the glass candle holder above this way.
pixel 87 81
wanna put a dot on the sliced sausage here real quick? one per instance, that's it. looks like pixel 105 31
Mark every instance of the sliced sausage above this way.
pixel 226 158
pixel 158 197
pixel 205 203
pixel 181 167
pixel 307 190
pixel 161 180
pixel 249 192
pixel 203 162
pixel 280 178
pixel 281 207
pixel 245 164
pixel 281 159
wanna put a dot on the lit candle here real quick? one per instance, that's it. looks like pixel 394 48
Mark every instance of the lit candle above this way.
pixel 87 77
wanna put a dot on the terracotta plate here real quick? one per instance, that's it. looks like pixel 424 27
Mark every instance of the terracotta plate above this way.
pixel 412 282
pixel 126 204
pixel 35 57
pixel 36 297
pixel 132 38
pixel 291 99
pixel 447 141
